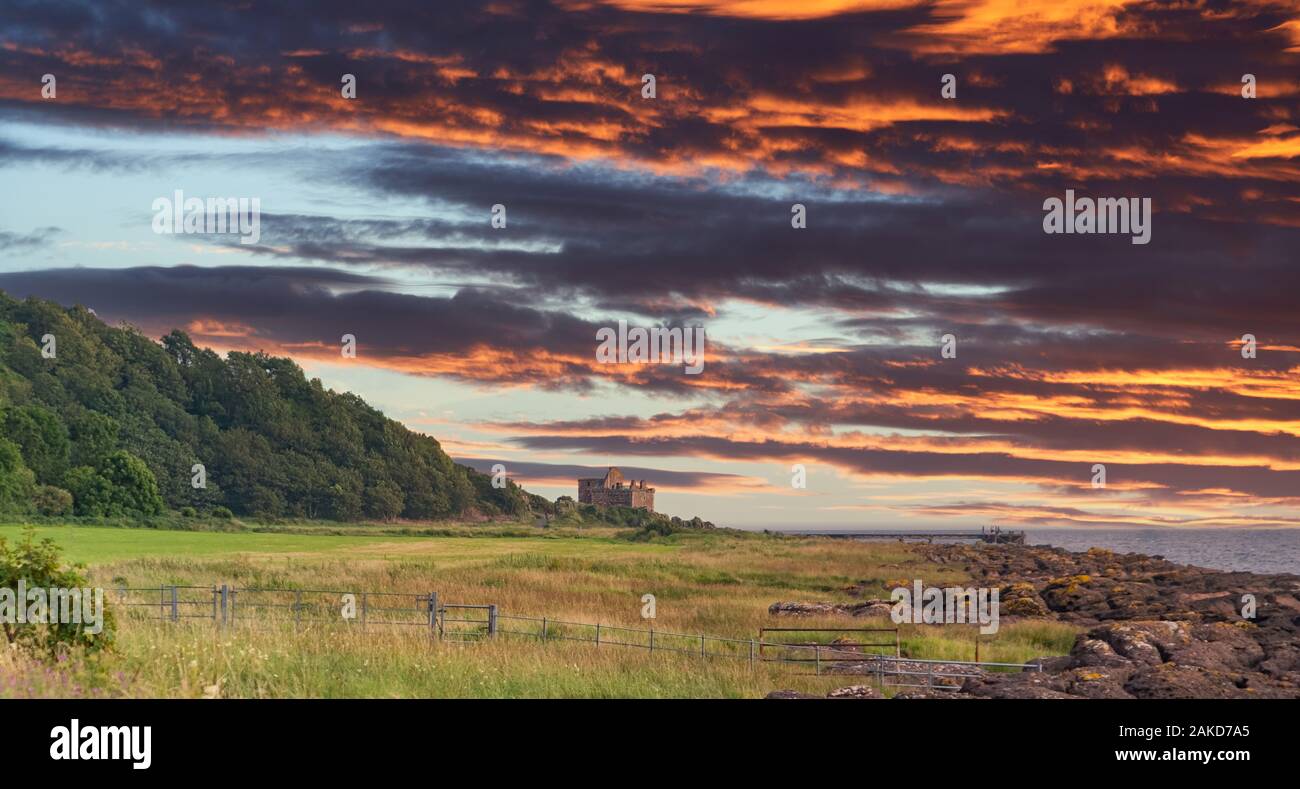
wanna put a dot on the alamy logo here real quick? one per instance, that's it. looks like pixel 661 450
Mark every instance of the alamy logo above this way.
pixel 53 606
pixel 657 345
pixel 194 215
pixel 931 605
pixel 1127 215
pixel 93 743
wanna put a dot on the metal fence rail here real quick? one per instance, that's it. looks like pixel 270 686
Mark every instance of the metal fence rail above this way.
pixel 253 607
pixel 265 609
pixel 936 674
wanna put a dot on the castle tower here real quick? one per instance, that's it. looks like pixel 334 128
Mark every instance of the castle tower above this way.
pixel 614 490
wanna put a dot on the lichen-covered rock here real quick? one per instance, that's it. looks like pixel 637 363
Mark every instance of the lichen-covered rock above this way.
pixel 931 693
pixel 1095 652
pixel 1144 642
pixel 1096 682
pixel 1021 599
pixel 1171 681
pixel 1155 629
pixel 1090 683
pixel 1029 685
pixel 1218 645
pixel 1074 593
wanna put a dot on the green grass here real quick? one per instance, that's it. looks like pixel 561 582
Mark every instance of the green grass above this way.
pixel 716 583
pixel 102 545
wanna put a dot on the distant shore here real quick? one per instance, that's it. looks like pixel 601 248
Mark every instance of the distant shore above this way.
pixel 1260 550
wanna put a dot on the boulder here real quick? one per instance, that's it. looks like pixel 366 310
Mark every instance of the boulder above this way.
pixel 1051 664
pixel 872 608
pixel 856 692
pixel 1170 681
pixel 789 694
pixel 1027 685
pixel 931 693
pixel 1144 642
pixel 1021 599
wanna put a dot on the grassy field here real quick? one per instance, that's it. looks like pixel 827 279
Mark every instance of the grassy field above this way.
pixel 717 583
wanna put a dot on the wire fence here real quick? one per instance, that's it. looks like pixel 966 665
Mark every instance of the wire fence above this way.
pixel 270 608
pixel 265 609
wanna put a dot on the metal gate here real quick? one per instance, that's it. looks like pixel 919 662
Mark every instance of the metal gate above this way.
pixel 460 622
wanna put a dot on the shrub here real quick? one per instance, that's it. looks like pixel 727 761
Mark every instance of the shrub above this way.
pixel 38 566
pixel 49 500
pixel 222 512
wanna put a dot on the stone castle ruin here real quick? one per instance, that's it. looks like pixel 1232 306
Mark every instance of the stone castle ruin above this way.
pixel 613 490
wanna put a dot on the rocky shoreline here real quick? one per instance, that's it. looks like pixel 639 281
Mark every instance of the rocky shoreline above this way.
pixel 1156 629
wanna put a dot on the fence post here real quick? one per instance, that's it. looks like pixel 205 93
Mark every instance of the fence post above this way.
pixel 701 645
pixel 817 652
pixel 543 628
pixel 929 675
pixel 597 634
pixel 297 609
pixel 652 639
pixel 433 614
pixel 365 599
pixel 492 620
pixel 751 653
pixel 175 609
pixel 225 594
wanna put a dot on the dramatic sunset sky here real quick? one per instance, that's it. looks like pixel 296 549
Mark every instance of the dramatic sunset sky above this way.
pixel 924 219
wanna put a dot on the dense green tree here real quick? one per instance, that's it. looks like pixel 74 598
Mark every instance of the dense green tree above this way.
pixel 16 480
pixel 93 436
pixel 121 485
pixel 119 421
pixel 43 438
pixel 91 493
pixel 135 489
pixel 384 500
